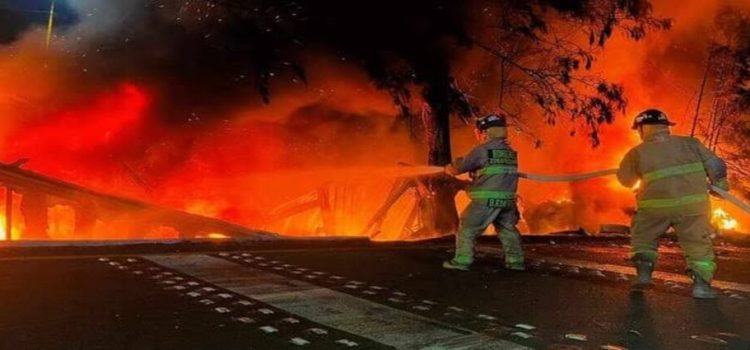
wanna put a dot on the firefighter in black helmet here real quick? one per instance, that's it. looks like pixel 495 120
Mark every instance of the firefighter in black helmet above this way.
pixel 674 172
pixel 493 166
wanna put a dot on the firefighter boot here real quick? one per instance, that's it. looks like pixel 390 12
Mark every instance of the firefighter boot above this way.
pixel 453 265
pixel 702 288
pixel 643 269
pixel 515 265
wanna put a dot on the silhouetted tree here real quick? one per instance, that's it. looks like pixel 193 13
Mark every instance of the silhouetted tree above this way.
pixel 544 48
pixel 729 75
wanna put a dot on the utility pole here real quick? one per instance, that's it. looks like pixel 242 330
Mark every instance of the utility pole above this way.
pixel 50 22
pixel 700 99
pixel 702 90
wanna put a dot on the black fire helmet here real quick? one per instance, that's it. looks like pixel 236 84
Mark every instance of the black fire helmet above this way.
pixel 490 121
pixel 651 117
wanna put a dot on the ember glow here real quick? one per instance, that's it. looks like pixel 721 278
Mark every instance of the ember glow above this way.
pixel 723 221
pixel 217 236
pixel 320 159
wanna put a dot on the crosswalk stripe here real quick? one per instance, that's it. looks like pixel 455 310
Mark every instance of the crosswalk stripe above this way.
pixel 380 323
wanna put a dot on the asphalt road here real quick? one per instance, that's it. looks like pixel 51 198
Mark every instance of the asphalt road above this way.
pixel 360 295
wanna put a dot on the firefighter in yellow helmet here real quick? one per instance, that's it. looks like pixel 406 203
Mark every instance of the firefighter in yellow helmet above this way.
pixel 675 172
pixel 493 166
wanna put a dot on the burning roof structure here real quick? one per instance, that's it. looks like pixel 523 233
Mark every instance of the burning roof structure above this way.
pixel 97 211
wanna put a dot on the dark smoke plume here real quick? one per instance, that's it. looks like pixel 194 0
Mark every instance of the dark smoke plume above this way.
pixel 204 56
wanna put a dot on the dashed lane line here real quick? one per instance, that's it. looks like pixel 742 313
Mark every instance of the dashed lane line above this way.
pixel 282 329
pixel 334 309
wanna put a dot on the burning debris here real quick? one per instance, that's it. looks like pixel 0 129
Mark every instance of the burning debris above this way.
pixel 723 221
pixel 552 216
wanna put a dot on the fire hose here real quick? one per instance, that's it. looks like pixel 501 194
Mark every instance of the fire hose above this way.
pixel 601 173
pixel 567 178
pixel 591 175
pixel 731 199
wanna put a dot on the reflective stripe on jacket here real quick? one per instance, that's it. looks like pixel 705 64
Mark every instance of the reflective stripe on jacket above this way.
pixel 493 166
pixel 674 172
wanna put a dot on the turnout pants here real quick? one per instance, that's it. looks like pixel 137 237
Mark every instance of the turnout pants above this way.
pixel 474 221
pixel 693 232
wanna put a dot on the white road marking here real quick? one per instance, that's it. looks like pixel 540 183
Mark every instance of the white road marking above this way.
pixel 527 327
pixel 523 335
pixel 318 331
pixel 266 311
pixel 268 329
pixel 299 341
pixel 578 337
pixel 347 342
pixel 380 323
pixel 244 319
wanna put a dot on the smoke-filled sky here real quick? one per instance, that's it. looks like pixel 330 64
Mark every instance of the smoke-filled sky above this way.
pixel 159 100
pixel 17 16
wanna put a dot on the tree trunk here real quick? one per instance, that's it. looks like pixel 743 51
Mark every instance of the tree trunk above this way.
pixel 443 188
